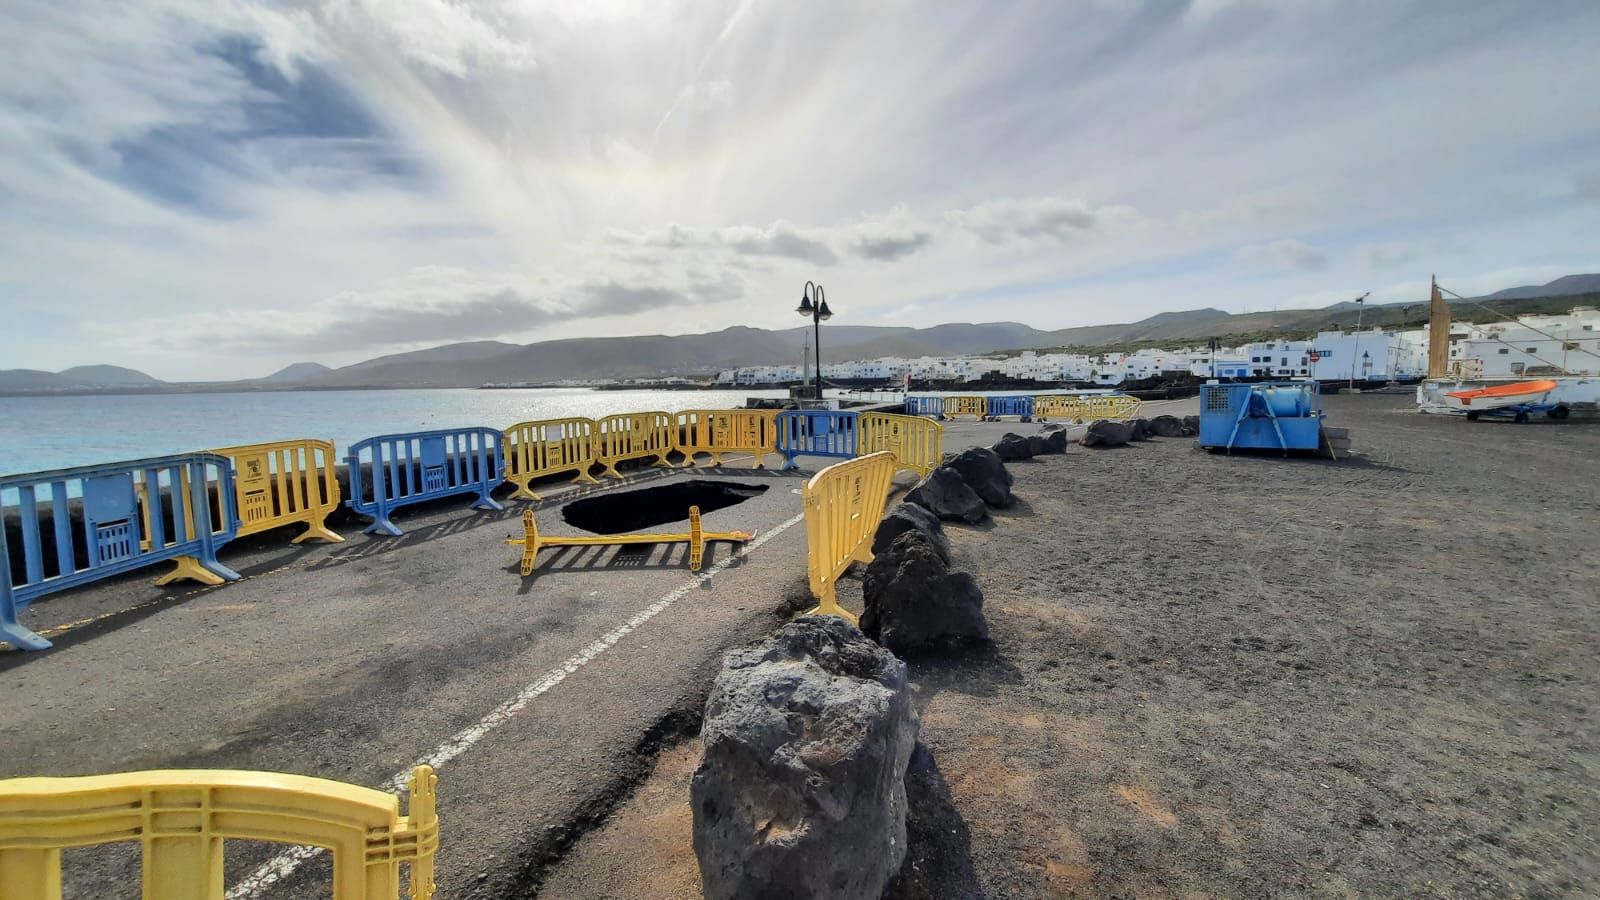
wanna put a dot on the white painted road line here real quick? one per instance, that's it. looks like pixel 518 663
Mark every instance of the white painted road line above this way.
pixel 284 864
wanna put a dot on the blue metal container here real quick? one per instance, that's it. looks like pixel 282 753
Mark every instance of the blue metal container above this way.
pixel 1270 416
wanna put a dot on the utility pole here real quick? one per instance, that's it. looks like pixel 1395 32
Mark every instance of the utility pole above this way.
pixel 1361 307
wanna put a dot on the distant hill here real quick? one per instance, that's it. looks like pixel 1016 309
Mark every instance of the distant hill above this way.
pixel 449 353
pixel 655 355
pixel 75 378
pixel 107 376
pixel 1565 286
pixel 472 363
pixel 31 380
pixel 296 373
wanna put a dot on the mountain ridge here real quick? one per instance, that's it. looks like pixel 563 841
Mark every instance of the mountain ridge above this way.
pixel 473 363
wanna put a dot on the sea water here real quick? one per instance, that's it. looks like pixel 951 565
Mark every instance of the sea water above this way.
pixel 40 433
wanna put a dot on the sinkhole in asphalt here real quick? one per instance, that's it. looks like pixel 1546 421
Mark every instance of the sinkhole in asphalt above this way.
pixel 648 507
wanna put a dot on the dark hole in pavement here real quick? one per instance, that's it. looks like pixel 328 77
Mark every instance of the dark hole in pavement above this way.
pixel 648 507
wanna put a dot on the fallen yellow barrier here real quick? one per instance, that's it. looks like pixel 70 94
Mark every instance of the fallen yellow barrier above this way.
pixel 181 817
pixel 697 539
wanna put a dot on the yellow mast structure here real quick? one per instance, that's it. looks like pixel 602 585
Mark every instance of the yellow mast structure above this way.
pixel 1438 333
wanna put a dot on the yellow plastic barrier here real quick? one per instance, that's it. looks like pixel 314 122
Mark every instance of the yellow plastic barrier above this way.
pixel 1058 406
pixel 916 442
pixel 843 505
pixel 181 817
pixel 1113 406
pixel 285 482
pixel 719 431
pixel 977 407
pixel 697 539
pixel 275 484
pixel 634 436
pixel 549 447
pixel 1086 408
pixel 183 567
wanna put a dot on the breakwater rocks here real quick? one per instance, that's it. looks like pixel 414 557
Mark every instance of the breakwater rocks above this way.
pixel 911 517
pixel 1106 433
pixel 1167 426
pixel 913 603
pixel 984 472
pixel 801 792
pixel 946 494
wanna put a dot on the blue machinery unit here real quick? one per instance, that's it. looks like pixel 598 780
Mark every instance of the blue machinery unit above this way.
pixel 1269 416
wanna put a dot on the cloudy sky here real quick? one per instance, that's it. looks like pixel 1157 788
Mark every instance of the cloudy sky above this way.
pixel 217 188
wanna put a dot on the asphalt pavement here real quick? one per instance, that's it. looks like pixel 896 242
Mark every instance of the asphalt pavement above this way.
pixel 540 700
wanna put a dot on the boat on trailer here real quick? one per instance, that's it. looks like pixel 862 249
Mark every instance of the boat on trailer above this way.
pixel 1461 390
pixel 1481 399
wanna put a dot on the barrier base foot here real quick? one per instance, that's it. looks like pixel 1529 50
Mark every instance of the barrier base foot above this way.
pixel 319 532
pixel 585 478
pixel 488 503
pixel 383 526
pixel 21 638
pixel 834 609
pixel 523 492
pixel 192 569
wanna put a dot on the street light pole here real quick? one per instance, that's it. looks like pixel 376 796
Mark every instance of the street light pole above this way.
pixel 1361 307
pixel 818 312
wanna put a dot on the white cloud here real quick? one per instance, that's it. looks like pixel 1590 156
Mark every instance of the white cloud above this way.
pixel 215 167
pixel 1286 254
pixel 1034 219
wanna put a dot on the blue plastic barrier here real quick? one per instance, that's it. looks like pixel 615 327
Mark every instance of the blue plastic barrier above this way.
pixel 816 433
pixel 925 406
pixel 1011 406
pixel 126 510
pixel 395 470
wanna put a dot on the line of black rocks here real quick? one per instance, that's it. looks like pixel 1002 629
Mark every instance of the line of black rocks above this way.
pixel 808 734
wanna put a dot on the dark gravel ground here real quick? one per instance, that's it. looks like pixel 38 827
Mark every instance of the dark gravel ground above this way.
pixel 1248 676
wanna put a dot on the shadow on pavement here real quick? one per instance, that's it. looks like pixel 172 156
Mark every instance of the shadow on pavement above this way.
pixel 938 842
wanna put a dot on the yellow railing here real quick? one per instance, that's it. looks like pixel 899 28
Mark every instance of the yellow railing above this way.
pixel 965 406
pixel 697 538
pixel 549 447
pixel 1086 408
pixel 285 482
pixel 634 436
pixel 181 818
pixel 1113 406
pixel 1058 406
pixel 719 431
pixel 843 505
pixel 274 484
pixel 916 442
pixel 183 567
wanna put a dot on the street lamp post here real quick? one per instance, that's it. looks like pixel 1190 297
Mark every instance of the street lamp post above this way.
pixel 818 312
pixel 1361 307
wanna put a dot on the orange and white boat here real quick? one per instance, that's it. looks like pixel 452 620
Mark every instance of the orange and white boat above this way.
pixel 1498 396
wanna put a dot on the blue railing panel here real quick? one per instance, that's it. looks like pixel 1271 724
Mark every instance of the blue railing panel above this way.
pixel 925 406
pixel 1011 406
pixel 394 470
pixel 816 433
pixel 119 502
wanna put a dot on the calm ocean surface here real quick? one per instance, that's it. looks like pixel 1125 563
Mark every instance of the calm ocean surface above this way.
pixel 56 432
